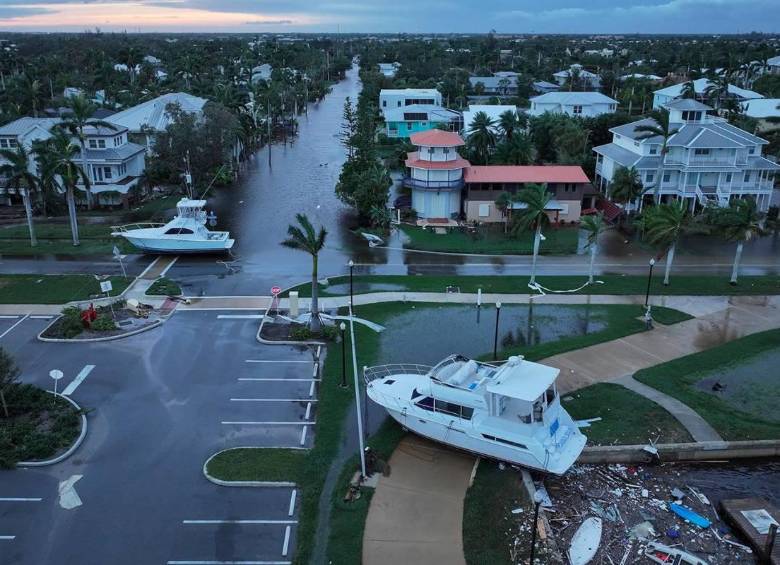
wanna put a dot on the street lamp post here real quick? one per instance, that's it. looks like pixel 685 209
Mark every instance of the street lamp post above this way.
pixel 343 328
pixel 537 503
pixel 495 337
pixel 351 267
pixel 649 279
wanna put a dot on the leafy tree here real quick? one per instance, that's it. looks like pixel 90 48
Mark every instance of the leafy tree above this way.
pixel 349 128
pixel 740 222
pixel 718 89
pixel 572 143
pixel 481 139
pixel 9 376
pixel 626 188
pixel 660 127
pixel 304 238
pixel 663 224
pixel 688 90
pixel 17 175
pixel 519 150
pixel 534 215
pixel 593 225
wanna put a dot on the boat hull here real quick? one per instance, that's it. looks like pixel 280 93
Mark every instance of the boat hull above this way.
pixel 179 246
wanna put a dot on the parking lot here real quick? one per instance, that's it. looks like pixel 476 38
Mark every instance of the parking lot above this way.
pixel 160 403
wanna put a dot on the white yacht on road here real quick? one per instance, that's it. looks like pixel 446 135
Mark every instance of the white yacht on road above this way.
pixel 185 233
pixel 510 412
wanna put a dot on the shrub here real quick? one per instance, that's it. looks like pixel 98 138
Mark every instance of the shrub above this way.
pixel 70 325
pixel 104 324
pixel 304 333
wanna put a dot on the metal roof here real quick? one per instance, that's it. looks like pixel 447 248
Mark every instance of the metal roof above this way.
pixel 25 124
pixel 687 104
pixel 120 153
pixel 618 154
pixel 525 174
pixel 523 380
pixel 572 98
pixel 153 113
pixel 436 138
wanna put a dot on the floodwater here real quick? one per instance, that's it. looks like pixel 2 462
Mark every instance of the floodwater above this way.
pixel 427 339
pixel 759 479
pixel 752 386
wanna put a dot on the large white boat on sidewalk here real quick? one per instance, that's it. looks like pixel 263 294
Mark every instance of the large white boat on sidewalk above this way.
pixel 510 412
pixel 185 233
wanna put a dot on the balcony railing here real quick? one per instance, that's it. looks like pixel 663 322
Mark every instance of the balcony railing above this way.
pixel 455 184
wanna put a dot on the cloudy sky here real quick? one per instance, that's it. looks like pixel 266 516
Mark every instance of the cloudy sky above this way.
pixel 507 16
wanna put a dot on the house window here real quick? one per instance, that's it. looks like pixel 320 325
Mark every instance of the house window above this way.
pixel 92 144
pixel 653 150
pixel 101 143
pixel 409 125
pixel 650 177
pixel 3 143
pixel 446 150
pixel 107 172
pixel 728 177
pixel 122 170
pixel 636 144
pixel 752 150
pixel 384 103
pixel 701 152
pixel 667 177
pixel 618 136
pixel 12 143
pixel 577 109
pixel 747 176
pixel 399 103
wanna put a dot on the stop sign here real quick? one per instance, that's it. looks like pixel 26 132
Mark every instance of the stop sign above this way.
pixel 275 290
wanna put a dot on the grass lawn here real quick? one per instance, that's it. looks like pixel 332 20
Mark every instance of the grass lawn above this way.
pixel 613 284
pixel 487 536
pixel 164 287
pixel 153 209
pixel 54 289
pixel 677 378
pixel 490 241
pixel 39 425
pixel 55 239
pixel 626 417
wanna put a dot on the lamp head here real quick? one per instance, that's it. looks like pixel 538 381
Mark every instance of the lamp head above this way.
pixel 498 305
pixel 652 262
pixel 538 497
pixel 342 326
pixel 351 263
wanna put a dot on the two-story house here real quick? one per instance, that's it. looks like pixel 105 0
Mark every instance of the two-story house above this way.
pixel 407 120
pixel 708 160
pixel 495 85
pixel 586 78
pixel 583 104
pixel 702 90
pixel 390 98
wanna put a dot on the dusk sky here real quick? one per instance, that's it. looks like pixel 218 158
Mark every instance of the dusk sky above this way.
pixel 413 16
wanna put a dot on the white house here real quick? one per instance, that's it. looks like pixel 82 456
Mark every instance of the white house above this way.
pixel 763 109
pixel 495 85
pixel 773 65
pixel 708 159
pixel 261 72
pixel 398 98
pixel 583 104
pixel 493 112
pixel 542 86
pixel 663 96
pixel 389 69
pixel 641 77
pixel 587 78
pixel 114 164
pixel 599 52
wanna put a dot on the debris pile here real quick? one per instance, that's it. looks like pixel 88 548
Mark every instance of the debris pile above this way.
pixel 644 512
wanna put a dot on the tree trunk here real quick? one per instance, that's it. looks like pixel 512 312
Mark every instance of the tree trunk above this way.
pixel 28 213
pixel 5 406
pixel 669 259
pixel 737 259
pixel 593 250
pixel 537 237
pixel 658 180
pixel 74 226
pixel 90 203
pixel 314 324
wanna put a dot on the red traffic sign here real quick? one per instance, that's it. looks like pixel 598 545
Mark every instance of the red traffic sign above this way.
pixel 276 290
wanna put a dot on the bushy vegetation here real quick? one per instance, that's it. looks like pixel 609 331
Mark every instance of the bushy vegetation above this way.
pixel 164 287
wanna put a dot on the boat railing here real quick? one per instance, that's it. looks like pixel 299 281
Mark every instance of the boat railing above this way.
pixel 137 226
pixel 381 371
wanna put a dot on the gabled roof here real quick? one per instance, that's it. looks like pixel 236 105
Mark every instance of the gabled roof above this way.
pixel 629 130
pixel 618 154
pixel 573 98
pixel 436 138
pixel 687 104
pixel 115 153
pixel 526 174
pixel 153 114
pixel 25 124
pixel 710 139
pixel 762 107
pixel 700 87
pixel 494 81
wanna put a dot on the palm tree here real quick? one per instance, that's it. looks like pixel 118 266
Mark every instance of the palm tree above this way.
pixel 663 129
pixel 61 168
pixel 718 89
pixel 304 238
pixel 688 90
pixel 18 176
pixel 663 225
pixel 626 188
pixel 519 150
pixel 593 225
pixel 740 222
pixel 508 124
pixel 80 117
pixel 33 91
pixel 535 197
pixel 481 137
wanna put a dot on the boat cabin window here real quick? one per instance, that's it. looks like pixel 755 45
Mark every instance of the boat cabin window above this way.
pixel 429 403
pixel 426 403
pixel 416 394
pixel 550 393
pixel 506 441
pixel 179 231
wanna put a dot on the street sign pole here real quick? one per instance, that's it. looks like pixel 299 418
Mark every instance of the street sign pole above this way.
pixel 56 374
pixel 106 287
pixel 118 256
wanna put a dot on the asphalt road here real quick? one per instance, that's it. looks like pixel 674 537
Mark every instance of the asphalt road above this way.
pixel 160 403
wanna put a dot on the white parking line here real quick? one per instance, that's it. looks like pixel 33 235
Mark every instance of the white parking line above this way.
pixel 20 499
pixel 9 317
pixel 276 379
pixel 168 268
pixel 9 330
pixel 303 434
pixel 316 369
pixel 311 388
pixel 7 538
pixel 293 495
pixel 286 544
pixel 272 400
pixel 78 380
pixel 276 361
pixel 269 423
pixel 240 316
pixel 239 522
pixel 308 411
pixel 229 562
pixel 319 348
pixel 41 317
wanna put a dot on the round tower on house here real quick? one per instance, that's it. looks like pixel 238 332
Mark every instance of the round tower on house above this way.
pixel 436 174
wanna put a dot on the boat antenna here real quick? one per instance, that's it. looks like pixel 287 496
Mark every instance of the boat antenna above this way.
pixel 212 181
pixel 187 174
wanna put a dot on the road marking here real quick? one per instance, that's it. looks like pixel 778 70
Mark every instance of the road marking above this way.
pixel 9 317
pixel 41 317
pixel 240 316
pixel 78 380
pixel 229 562
pixel 7 538
pixel 276 379
pixel 319 348
pixel 269 423
pixel 293 495
pixel 69 498
pixel 304 429
pixel 20 499
pixel 311 388
pixel 286 544
pixel 9 330
pixel 168 268
pixel 275 361
pixel 239 522
pixel 272 400
pixel 308 411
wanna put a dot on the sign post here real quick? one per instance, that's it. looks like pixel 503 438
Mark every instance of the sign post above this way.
pixel 275 291
pixel 105 286
pixel 118 257
pixel 56 374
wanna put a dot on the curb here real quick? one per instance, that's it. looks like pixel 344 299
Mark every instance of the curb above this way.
pixel 268 342
pixel 70 450
pixel 673 452
pixel 220 482
pixel 153 325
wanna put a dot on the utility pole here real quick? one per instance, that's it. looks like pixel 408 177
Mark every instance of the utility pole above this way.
pixel 268 122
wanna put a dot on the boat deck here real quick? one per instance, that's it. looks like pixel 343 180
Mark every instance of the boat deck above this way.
pixel 732 509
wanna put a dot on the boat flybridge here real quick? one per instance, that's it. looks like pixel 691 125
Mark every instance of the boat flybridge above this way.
pixel 185 233
pixel 510 412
